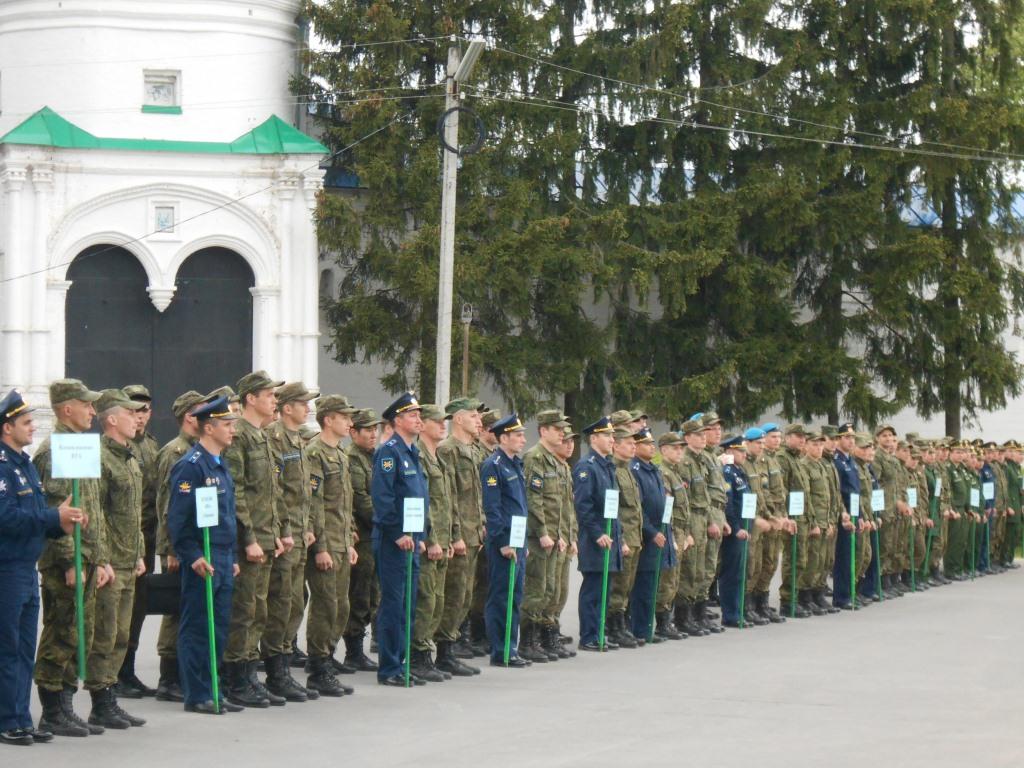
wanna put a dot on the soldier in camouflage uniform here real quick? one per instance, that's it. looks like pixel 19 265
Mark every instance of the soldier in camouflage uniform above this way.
pixel 670 445
pixel 169 686
pixel 631 526
pixel 474 628
pixel 260 544
pixel 146 448
pixel 795 480
pixel 756 603
pixel 770 549
pixel 956 554
pixel 286 600
pixel 568 531
pixel 333 553
pixel 459 451
pixel 55 671
pixel 363 592
pixel 1012 537
pixel 692 474
pixel 121 501
pixel 548 492
pixel 824 497
pixel 867 554
pixel 890 536
pixel 718 488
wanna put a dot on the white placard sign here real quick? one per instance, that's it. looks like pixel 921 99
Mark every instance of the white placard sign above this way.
pixel 796 503
pixel 666 515
pixel 517 533
pixel 854 505
pixel 988 490
pixel 975 497
pixel 412 514
pixel 75 456
pixel 206 507
pixel 749 509
pixel 878 501
pixel 611 504
pixel 912 498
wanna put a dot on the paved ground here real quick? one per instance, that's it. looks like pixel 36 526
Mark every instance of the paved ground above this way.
pixel 928 680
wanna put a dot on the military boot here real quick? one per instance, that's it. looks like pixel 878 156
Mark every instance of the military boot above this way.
pixel 665 628
pixel 169 686
pixel 249 669
pixel 67 702
pixel 420 665
pixel 321 678
pixel 238 688
pixel 766 609
pixel 549 642
pixel 686 620
pixel 528 648
pixel 818 595
pixel 478 642
pixel 354 656
pixel 563 639
pixel 135 722
pixel 447 662
pixel 104 712
pixel 128 684
pixel 54 719
pixel 712 625
pixel 805 601
pixel 752 611
pixel 620 634
pixel 298 659
pixel 280 681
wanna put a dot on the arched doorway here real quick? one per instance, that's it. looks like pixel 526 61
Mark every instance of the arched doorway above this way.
pixel 115 336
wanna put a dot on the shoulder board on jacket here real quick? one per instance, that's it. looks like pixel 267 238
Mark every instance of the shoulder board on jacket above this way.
pixel 194 458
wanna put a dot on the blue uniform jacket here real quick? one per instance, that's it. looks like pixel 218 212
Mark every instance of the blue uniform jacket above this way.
pixel 504 495
pixel 397 475
pixel 591 477
pixel 25 520
pixel 849 480
pixel 738 484
pixel 652 501
pixel 200 469
pixel 988 476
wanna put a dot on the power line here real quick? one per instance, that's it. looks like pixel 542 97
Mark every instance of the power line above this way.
pixel 216 208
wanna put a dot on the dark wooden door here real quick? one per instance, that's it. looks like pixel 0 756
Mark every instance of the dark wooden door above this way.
pixel 115 336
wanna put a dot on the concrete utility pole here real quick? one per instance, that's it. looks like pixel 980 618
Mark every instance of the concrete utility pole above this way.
pixel 459 69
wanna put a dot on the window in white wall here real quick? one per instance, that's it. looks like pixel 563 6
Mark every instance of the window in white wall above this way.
pixel 161 92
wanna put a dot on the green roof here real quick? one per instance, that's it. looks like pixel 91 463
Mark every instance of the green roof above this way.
pixel 273 137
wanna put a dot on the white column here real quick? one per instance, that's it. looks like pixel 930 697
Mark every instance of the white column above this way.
pixel 265 299
pixel 56 305
pixel 312 183
pixel 41 337
pixel 285 189
pixel 17 262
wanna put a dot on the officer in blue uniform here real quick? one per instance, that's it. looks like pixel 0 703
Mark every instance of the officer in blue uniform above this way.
pixel 504 497
pixel 987 476
pixel 867 588
pixel 397 476
pixel 849 482
pixel 203 467
pixel 592 478
pixel 730 579
pixel 25 522
pixel 659 549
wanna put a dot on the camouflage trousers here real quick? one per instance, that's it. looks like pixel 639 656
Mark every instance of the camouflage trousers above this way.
pixel 563 564
pixel 57 657
pixel 429 601
pixel 363 591
pixel 167 637
pixel 803 561
pixel 328 604
pixel 112 630
pixel 479 588
pixel 286 570
pixel 693 562
pixel 458 592
pixel 248 610
pixel 768 553
pixel 542 582
pixel 711 553
pixel 828 558
pixel 297 609
pixel 621 582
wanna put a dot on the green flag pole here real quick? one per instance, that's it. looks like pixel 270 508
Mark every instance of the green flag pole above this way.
pixel 210 625
pixel 657 580
pixel 604 585
pixel 853 564
pixel 508 607
pixel 988 541
pixel 913 562
pixel 743 574
pixel 79 587
pixel 933 511
pixel 408 611
pixel 792 577
pixel 974 545
pixel 878 571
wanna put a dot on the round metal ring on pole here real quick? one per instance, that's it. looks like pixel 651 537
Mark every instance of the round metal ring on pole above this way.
pixel 478 141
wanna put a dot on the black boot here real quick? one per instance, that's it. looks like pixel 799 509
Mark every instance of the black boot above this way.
pixel 104 713
pixel 135 722
pixel 528 648
pixel 54 719
pixel 705 621
pixel 752 615
pixel 67 702
pixel 665 628
pixel 550 644
pixel 298 659
pixel 478 642
pixel 462 648
pixel 563 639
pixel 804 601
pixel 447 662
pixel 280 681
pixel 818 595
pixel 620 634
pixel 765 609
pixel 128 684
pixel 169 687
pixel 321 678
pixel 686 620
pixel 238 688
pixel 250 669
pixel 354 656
pixel 421 666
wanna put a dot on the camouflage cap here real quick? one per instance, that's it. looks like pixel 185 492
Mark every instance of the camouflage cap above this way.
pixel 829 430
pixel 864 440
pixel 256 381
pixel 670 438
pixel 334 404
pixel 622 433
pixel 431 412
pixel 63 390
pixel 795 429
pixel 621 417
pixel 365 418
pixel 710 419
pixel 692 426
pixel 885 427
pixel 551 418
pixel 637 414
pixel 816 437
pixel 462 404
pixel 568 434
pixel 116 398
pixel 225 391
pixel 490 416
pixel 294 392
pixel 185 402
pixel 137 392
pixel 912 437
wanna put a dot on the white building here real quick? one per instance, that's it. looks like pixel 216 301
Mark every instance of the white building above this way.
pixel 155 197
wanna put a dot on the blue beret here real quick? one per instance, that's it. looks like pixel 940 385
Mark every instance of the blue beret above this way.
pixel 217 408
pixel 754 433
pixel 604 424
pixel 406 402
pixel 12 406
pixel 771 426
pixel 696 416
pixel 510 423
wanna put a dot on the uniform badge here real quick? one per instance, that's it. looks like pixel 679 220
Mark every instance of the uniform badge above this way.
pixel 185 487
pixel 387 465
pixel 583 475
pixel 492 481
pixel 536 482
pixel 21 477
pixel 3 487
pixel 314 483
